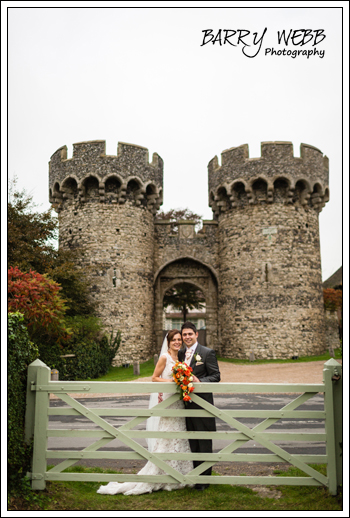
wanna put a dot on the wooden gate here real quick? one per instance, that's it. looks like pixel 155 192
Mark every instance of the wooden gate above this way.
pixel 38 411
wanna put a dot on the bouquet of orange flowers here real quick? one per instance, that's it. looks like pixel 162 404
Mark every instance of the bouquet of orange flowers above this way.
pixel 183 377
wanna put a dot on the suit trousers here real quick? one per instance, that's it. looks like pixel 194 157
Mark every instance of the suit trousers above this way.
pixel 199 445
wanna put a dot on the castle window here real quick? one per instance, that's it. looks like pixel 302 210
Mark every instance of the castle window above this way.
pixel 300 192
pixel 70 188
pixel 266 273
pixel 260 190
pixel 132 190
pixel 91 187
pixel 223 200
pixel 239 194
pixel 150 196
pixel 112 185
pixel 281 188
pixel 114 278
pixel 176 323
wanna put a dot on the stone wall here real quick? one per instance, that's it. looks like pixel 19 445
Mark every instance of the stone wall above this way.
pixel 270 297
pixel 332 329
pixel 117 243
pixel 186 242
pixel 276 160
pixel 89 158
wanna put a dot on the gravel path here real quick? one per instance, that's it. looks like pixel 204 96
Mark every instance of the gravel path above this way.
pixel 308 372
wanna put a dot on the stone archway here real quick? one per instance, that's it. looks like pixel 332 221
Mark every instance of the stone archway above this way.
pixel 190 271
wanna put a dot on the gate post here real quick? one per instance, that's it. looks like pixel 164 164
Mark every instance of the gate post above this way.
pixel 36 420
pixel 332 378
pixel 30 403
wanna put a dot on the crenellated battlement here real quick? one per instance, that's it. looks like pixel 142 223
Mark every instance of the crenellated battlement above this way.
pixel 91 175
pixel 276 176
pixel 257 262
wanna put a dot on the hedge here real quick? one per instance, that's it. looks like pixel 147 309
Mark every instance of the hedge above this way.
pixel 93 350
pixel 21 352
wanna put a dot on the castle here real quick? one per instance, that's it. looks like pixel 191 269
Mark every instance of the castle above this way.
pixel 257 262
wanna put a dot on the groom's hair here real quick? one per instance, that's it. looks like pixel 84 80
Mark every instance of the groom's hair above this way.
pixel 189 325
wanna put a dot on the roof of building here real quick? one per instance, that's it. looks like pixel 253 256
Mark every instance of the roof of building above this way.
pixel 334 280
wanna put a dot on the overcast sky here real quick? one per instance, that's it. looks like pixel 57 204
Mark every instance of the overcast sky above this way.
pixel 140 75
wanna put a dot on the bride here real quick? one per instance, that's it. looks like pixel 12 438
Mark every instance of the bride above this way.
pixel 162 372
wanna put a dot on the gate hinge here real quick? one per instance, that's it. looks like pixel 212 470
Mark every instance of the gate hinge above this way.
pixel 336 376
pixel 35 476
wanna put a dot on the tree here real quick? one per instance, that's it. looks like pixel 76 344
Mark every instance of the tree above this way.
pixel 333 301
pixel 29 233
pixel 184 297
pixel 31 238
pixel 53 293
pixel 38 299
pixel 175 215
pixel 74 283
pixel 333 298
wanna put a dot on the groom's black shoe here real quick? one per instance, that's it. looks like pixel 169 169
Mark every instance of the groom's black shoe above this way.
pixel 201 487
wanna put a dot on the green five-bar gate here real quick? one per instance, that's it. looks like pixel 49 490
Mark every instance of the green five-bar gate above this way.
pixel 38 411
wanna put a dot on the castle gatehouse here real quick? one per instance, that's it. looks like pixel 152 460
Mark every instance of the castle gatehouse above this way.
pixel 257 262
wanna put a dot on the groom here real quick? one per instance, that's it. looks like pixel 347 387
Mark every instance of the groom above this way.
pixel 205 369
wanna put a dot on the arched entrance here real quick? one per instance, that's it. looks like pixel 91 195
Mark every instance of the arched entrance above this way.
pixel 188 270
pixel 182 303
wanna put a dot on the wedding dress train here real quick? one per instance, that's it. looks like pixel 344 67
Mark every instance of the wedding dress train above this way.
pixel 166 424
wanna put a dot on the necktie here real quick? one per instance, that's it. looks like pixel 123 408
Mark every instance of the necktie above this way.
pixel 188 356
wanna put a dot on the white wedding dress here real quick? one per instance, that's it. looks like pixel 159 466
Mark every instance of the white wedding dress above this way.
pixel 168 424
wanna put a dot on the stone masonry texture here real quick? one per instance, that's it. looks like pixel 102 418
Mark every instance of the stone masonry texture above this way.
pixel 257 262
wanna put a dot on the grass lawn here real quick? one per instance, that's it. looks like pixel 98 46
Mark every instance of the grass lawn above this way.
pixel 82 496
pixel 127 373
pixel 147 368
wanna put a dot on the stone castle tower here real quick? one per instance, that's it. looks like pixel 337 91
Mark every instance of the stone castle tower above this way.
pixel 257 262
pixel 106 206
pixel 270 296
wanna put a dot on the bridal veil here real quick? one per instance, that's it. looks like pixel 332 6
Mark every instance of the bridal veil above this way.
pixel 152 423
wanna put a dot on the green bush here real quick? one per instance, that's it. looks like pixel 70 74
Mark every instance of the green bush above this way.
pixel 21 352
pixel 50 352
pixel 93 350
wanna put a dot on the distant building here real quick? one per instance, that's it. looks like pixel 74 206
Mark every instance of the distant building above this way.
pixel 335 280
pixel 174 319
pixel 333 319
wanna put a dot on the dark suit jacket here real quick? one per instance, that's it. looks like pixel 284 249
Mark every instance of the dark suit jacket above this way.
pixel 207 372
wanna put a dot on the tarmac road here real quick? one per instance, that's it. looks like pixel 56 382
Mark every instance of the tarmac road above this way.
pixel 224 401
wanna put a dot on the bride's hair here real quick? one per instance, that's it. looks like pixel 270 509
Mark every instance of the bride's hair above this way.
pixel 171 335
